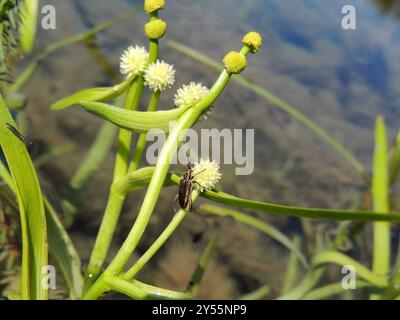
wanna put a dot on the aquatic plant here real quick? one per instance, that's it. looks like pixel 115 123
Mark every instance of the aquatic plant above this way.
pixel 118 106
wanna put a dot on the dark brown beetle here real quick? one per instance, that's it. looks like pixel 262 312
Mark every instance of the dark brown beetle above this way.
pixel 185 189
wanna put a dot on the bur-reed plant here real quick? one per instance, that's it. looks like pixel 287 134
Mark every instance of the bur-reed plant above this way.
pixel 118 106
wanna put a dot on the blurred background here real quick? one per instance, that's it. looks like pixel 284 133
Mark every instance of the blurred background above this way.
pixel 342 79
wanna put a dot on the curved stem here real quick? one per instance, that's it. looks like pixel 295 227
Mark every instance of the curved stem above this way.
pixel 115 200
pixel 143 291
pixel 131 273
pixel 141 143
pixel 161 169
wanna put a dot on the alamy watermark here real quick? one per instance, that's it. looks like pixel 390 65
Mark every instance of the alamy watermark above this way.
pixel 48 17
pixel 349 19
pixel 227 146
pixel 349 281
pixel 49 277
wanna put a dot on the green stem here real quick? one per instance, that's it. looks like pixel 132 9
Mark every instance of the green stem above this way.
pixel 141 143
pixel 141 291
pixel 125 136
pixel 132 272
pixel 115 200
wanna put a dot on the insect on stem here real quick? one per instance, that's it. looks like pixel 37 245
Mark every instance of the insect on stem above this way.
pixel 18 134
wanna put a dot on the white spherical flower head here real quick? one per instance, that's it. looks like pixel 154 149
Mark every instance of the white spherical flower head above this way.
pixel 133 61
pixel 206 174
pixel 188 95
pixel 159 76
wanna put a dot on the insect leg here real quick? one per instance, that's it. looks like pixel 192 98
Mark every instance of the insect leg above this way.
pixel 173 203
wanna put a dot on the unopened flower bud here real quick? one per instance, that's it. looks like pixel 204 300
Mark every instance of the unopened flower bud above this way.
pixel 235 62
pixel 155 29
pixel 253 40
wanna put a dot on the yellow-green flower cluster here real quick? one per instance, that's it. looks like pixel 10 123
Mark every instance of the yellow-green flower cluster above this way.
pixel 159 76
pixel 133 61
pixel 190 94
pixel 206 174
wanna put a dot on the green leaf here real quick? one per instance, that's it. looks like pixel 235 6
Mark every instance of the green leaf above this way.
pixel 314 213
pixel 258 294
pixel 394 161
pixel 343 260
pixel 64 253
pixel 278 102
pixel 92 94
pixel 60 245
pixel 139 121
pixel 194 284
pixel 32 215
pixel 27 27
pixel 53 153
pixel 95 156
pixel 332 289
pixel 291 273
pixel 258 224
pixel 98 151
pixel 380 196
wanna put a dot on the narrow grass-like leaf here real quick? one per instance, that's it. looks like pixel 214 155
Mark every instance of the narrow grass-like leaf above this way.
pixel 92 94
pixel 343 260
pixel 258 224
pixel 64 253
pixel 87 169
pixel 194 284
pixel 138 121
pixel 278 102
pixel 394 161
pixel 322 214
pixel 292 267
pixel 53 153
pixel 32 215
pixel 258 294
pixel 309 281
pixel 332 289
pixel 6 177
pixel 28 72
pixel 27 26
pixel 380 196
pixel 60 245
pixel 97 152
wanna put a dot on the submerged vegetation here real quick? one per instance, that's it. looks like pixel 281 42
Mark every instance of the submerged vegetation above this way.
pixel 34 227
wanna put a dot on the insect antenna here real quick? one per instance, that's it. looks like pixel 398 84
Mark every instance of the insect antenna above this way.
pixel 199 172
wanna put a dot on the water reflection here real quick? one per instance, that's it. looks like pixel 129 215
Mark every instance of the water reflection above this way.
pixel 391 7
